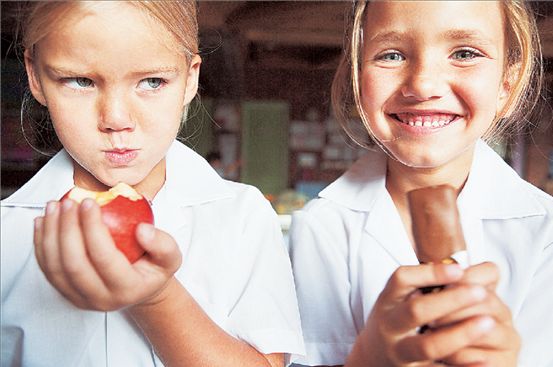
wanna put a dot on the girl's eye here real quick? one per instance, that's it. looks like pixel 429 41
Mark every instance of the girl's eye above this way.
pixel 467 54
pixel 151 83
pixel 391 56
pixel 78 83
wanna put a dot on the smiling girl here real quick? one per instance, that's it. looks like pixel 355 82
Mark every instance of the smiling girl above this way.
pixel 429 80
pixel 215 287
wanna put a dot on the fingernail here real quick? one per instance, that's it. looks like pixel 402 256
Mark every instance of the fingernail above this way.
pixel 51 207
pixel 479 293
pixel 454 270
pixel 86 204
pixel 485 323
pixel 38 223
pixel 66 204
pixel 146 231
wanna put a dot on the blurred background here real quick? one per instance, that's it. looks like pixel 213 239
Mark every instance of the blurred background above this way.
pixel 263 116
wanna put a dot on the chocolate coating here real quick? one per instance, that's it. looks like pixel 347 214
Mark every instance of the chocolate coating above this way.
pixel 436 225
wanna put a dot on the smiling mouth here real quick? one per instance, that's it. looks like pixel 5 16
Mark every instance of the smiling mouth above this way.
pixel 428 120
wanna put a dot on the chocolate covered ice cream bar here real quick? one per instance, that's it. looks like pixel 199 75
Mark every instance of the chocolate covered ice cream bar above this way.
pixel 436 225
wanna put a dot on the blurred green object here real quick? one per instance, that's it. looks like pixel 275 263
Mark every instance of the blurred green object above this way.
pixel 265 145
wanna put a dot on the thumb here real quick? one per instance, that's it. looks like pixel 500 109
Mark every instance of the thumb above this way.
pixel 161 248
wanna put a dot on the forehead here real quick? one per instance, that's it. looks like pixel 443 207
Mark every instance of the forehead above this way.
pixel 110 19
pixel 107 35
pixel 434 19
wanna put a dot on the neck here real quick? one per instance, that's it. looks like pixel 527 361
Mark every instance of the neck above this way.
pixel 150 186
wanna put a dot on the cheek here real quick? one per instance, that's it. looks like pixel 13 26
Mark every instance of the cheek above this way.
pixel 376 89
pixel 480 97
pixel 70 121
pixel 480 89
pixel 159 121
pixel 165 112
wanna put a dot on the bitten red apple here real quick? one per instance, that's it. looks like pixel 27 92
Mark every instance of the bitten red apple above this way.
pixel 122 210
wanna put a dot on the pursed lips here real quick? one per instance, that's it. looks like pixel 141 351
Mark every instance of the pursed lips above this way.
pixel 121 157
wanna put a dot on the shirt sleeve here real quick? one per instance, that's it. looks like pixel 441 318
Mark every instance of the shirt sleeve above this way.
pixel 266 314
pixel 319 254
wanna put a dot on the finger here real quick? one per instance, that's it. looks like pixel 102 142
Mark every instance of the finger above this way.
pixel 110 263
pixel 161 248
pixel 491 306
pixel 37 239
pixel 407 279
pixel 485 274
pixel 76 265
pixel 48 252
pixel 501 337
pixel 478 357
pixel 425 309
pixel 443 342
pixel 162 260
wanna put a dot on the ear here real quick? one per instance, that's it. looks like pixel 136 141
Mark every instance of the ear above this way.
pixel 192 79
pixel 34 82
pixel 505 91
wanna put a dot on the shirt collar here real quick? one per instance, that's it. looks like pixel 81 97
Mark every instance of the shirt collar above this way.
pixel 190 180
pixel 493 190
pixel 360 186
pixel 50 183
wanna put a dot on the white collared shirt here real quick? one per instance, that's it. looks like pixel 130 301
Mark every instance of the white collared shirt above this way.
pixel 345 245
pixel 235 265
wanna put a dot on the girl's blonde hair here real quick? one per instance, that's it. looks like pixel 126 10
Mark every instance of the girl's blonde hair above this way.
pixel 38 18
pixel 523 68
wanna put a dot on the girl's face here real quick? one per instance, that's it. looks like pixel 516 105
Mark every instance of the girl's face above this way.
pixel 432 77
pixel 115 90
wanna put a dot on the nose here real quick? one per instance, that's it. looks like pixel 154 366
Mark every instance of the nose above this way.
pixel 115 112
pixel 424 81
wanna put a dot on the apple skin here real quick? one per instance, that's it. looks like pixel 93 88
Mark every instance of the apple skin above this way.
pixel 122 215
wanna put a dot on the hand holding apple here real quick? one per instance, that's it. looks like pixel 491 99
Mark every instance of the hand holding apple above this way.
pixel 78 256
pixel 122 210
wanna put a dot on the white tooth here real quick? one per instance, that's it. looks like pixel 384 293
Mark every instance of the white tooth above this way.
pixel 435 124
pixel 418 123
pixel 411 123
pixel 442 123
pixel 427 124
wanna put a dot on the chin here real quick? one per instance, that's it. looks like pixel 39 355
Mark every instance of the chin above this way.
pixel 428 158
pixel 111 179
pixel 422 163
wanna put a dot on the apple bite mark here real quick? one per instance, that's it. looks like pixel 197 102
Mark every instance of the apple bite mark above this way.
pixel 122 210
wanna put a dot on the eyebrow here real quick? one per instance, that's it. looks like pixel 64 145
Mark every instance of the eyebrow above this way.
pixel 61 71
pixel 452 34
pixel 157 70
pixel 391 36
pixel 467 35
